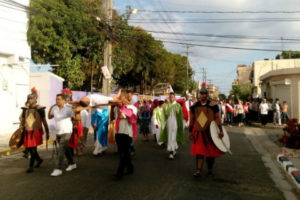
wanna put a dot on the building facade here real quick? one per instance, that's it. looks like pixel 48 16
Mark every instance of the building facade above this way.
pixel 48 85
pixel 283 84
pixel 263 67
pixel 244 74
pixel 14 65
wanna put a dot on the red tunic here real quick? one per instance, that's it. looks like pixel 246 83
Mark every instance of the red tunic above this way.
pixel 76 134
pixel 33 138
pixel 207 148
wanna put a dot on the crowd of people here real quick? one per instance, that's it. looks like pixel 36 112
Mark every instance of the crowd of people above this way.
pixel 254 110
pixel 117 120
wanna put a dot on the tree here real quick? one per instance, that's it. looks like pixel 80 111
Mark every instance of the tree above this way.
pixel 243 91
pixel 66 32
pixel 62 33
pixel 288 55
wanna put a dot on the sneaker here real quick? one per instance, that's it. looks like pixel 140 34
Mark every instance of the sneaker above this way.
pixel 56 172
pixel 171 156
pixel 71 167
pixel 174 153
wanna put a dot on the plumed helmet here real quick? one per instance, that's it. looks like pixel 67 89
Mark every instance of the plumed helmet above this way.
pixel 33 94
pixel 67 94
pixel 203 89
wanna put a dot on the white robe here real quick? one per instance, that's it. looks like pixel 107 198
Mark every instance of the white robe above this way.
pixel 156 131
pixel 172 131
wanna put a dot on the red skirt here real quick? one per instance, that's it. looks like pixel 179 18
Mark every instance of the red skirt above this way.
pixel 76 134
pixel 33 138
pixel 207 148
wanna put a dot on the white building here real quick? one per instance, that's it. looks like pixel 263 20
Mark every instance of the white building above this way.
pixel 279 79
pixel 48 86
pixel 14 64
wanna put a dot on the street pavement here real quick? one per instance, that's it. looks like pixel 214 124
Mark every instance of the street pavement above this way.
pixel 238 176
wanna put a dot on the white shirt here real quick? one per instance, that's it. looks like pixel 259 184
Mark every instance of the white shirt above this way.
pixel 97 99
pixel 85 120
pixel 125 127
pixel 264 108
pixel 63 119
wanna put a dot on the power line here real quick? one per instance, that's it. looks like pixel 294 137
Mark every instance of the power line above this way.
pixel 216 22
pixel 225 47
pixel 223 12
pixel 223 19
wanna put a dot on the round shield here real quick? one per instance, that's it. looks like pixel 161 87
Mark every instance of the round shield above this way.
pixel 16 139
pixel 222 144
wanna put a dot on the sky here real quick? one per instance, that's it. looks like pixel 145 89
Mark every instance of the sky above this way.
pixel 220 63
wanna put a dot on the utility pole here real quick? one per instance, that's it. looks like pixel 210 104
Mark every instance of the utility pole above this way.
pixel 203 71
pixel 108 10
pixel 187 67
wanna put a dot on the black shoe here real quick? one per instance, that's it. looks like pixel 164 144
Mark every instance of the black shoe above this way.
pixel 29 170
pixel 129 171
pixel 25 154
pixel 210 172
pixel 117 177
pixel 38 164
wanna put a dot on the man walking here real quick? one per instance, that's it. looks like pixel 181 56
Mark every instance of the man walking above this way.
pixel 62 114
pixel 263 108
pixel 202 114
pixel 277 113
pixel 172 126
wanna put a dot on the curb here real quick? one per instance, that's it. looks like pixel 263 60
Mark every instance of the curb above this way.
pixel 289 168
pixel 10 151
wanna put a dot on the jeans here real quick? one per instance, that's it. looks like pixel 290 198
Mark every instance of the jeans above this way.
pixel 63 150
pixel 284 116
pixel 230 117
pixel 277 116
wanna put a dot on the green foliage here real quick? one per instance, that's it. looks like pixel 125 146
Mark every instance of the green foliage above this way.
pixel 222 96
pixel 288 55
pixel 63 36
pixel 243 91
pixel 69 35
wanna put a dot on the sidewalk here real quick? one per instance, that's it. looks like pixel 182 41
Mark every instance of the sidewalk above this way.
pixel 6 151
pixel 284 163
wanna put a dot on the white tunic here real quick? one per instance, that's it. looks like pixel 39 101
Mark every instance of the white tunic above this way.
pixel 172 131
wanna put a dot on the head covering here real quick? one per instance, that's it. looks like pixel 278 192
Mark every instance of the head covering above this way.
pixel 33 95
pixel 203 89
pixel 67 94
pixel 184 109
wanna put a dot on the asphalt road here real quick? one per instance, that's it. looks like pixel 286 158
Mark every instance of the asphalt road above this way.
pixel 238 176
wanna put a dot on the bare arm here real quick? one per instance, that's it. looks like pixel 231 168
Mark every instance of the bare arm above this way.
pixel 46 128
pixel 50 116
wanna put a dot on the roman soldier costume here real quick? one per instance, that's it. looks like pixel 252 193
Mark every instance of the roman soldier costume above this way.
pixel 202 145
pixel 31 121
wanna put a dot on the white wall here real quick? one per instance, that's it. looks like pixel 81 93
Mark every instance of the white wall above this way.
pixel 14 65
pixel 264 66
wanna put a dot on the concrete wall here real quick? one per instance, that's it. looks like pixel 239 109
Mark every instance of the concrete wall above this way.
pixel 286 87
pixel 244 72
pixel 14 66
pixel 264 66
pixel 48 86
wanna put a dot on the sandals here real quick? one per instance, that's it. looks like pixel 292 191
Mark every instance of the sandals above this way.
pixel 197 174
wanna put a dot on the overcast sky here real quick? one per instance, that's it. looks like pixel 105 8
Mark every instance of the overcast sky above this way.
pixel 220 63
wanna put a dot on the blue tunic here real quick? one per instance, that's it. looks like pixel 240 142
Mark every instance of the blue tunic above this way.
pixel 100 119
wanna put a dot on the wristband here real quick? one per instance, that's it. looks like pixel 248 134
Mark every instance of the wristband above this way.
pixel 220 127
